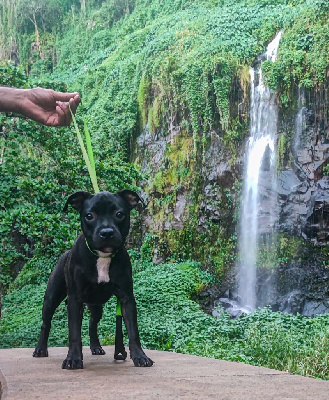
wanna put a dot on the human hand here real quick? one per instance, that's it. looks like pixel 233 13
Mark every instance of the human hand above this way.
pixel 48 107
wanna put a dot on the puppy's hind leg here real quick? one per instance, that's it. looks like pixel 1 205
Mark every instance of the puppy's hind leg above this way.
pixel 55 294
pixel 96 312
pixel 120 351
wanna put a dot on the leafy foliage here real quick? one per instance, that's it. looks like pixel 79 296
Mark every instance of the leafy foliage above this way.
pixel 159 65
pixel 39 168
pixel 168 65
pixel 169 319
pixel 303 54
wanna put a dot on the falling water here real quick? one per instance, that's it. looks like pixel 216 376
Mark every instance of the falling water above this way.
pixel 260 168
pixel 300 119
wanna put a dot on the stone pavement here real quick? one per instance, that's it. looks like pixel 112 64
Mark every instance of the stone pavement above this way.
pixel 173 376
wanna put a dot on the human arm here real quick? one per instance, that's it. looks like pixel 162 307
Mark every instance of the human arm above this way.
pixel 42 105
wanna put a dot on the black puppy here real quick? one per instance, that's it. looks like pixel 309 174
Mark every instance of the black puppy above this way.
pixel 97 267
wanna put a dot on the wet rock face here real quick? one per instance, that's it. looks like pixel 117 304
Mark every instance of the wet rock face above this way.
pixel 217 175
pixel 304 205
pixel 150 154
pixel 300 287
pixel 303 288
pixel 317 225
pixel 302 186
pixel 301 195
pixel 305 208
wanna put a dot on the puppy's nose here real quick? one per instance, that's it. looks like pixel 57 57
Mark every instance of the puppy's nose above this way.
pixel 106 233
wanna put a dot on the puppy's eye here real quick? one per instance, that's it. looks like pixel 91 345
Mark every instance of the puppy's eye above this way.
pixel 120 214
pixel 89 217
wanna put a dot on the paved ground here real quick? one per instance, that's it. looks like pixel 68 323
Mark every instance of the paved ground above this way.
pixel 174 376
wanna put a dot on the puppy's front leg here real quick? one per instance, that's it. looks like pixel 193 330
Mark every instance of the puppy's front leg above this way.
pixel 96 312
pixel 75 313
pixel 129 313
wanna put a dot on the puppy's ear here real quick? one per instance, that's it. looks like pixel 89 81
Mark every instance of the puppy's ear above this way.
pixel 131 198
pixel 76 200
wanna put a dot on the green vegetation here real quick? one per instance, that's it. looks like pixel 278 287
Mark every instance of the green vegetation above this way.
pixel 169 319
pixel 285 249
pixel 159 67
pixel 169 65
pixel 40 167
pixel 304 51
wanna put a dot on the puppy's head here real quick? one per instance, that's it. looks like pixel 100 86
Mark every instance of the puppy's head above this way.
pixel 105 217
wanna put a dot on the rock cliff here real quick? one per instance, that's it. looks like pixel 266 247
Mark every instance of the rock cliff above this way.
pixel 194 201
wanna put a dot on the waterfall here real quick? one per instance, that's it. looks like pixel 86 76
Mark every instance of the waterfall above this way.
pixel 300 119
pixel 258 202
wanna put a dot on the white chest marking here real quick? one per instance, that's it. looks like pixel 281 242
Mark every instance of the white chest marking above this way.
pixel 103 266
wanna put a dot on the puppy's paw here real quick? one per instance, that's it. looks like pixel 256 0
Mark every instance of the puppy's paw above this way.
pixel 39 352
pixel 141 360
pixel 97 351
pixel 72 363
pixel 120 355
